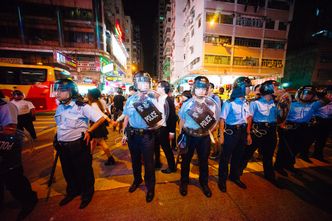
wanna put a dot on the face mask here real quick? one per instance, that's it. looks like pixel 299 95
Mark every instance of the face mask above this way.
pixel 143 86
pixel 200 92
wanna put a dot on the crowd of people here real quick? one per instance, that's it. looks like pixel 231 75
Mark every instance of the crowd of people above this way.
pixel 229 131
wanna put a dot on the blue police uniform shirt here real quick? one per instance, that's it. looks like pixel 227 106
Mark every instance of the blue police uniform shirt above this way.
pixel 325 111
pixel 216 98
pixel 302 112
pixel 135 119
pixel 262 110
pixel 235 111
pixel 72 120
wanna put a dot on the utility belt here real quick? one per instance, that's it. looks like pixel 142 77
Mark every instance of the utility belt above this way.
pixel 260 129
pixel 138 131
pixel 196 132
pixel 230 129
pixel 70 143
pixel 271 125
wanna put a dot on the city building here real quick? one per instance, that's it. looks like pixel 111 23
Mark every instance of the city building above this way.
pixel 229 38
pixel 167 44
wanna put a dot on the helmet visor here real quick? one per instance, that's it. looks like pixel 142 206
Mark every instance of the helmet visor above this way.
pixel 201 84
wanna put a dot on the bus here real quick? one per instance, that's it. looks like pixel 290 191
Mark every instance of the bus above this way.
pixel 35 81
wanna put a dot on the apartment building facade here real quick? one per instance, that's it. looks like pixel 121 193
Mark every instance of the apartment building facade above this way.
pixel 229 38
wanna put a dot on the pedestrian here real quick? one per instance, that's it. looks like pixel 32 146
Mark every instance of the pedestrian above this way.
pixel 234 134
pixel 99 136
pixel 262 124
pixel 167 130
pixel 72 141
pixel 142 116
pixel 198 116
pixel 324 125
pixel 297 136
pixel 11 168
pixel 118 101
pixel 26 113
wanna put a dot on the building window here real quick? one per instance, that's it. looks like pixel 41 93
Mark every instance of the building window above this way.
pixel 269 24
pixel 249 22
pixel 191 48
pixel 274 44
pixel 245 61
pixel 271 63
pixel 325 58
pixel 282 26
pixel 283 5
pixel 217 59
pixel 77 14
pixel 252 2
pixel 199 23
pixel 248 42
pixel 219 18
pixel 218 39
pixel 192 33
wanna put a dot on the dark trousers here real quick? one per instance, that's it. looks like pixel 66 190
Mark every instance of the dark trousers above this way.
pixel 322 132
pixel 18 185
pixel 76 162
pixel 161 139
pixel 266 145
pixel 143 145
pixel 202 146
pixel 25 121
pixel 292 142
pixel 233 151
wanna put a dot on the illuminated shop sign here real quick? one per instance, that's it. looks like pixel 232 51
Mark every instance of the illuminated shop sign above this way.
pixel 65 60
pixel 118 52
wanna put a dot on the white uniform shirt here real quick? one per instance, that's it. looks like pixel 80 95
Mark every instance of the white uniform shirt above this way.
pixel 23 106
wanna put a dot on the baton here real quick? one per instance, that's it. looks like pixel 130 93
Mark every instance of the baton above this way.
pixel 50 181
pixel 211 137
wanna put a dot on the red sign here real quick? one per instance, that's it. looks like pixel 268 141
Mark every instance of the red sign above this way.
pixel 190 81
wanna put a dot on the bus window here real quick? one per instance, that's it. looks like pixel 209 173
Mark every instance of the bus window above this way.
pixel 9 75
pixel 31 76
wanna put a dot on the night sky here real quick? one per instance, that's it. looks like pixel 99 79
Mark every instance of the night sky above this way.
pixel 144 13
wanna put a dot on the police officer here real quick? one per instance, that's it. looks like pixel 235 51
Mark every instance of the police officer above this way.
pixel 166 132
pixel 262 123
pixel 233 121
pixel 26 113
pixel 72 142
pixel 142 114
pixel 324 124
pixel 297 135
pixel 196 131
pixel 11 169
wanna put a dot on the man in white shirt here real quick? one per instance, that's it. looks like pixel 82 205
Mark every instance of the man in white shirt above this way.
pixel 26 113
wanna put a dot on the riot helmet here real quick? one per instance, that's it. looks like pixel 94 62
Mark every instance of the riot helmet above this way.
pixel 306 94
pixel 142 81
pixel 94 93
pixel 65 85
pixel 268 87
pixel 240 86
pixel 201 86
